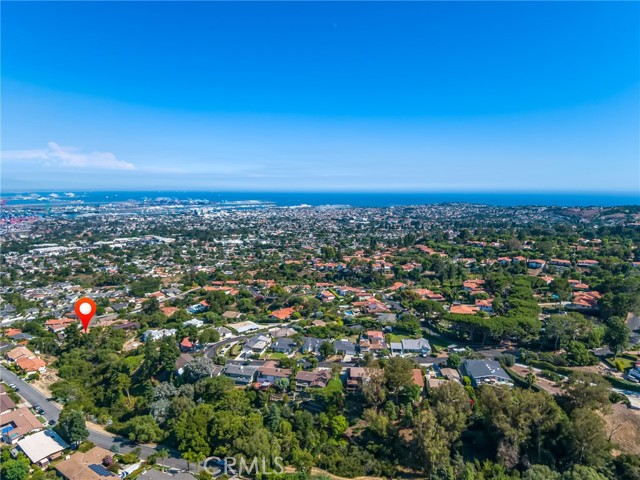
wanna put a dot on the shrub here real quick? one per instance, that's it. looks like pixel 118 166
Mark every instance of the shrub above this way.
pixel 615 397
pixel 509 360
pixel 553 376
pixel 619 365
pixel 622 384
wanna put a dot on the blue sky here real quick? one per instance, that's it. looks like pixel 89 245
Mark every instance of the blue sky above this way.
pixel 443 96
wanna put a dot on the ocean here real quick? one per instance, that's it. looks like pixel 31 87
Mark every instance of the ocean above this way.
pixel 332 198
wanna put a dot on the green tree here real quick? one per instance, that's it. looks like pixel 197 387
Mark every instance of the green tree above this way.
pixel 588 442
pixel 210 335
pixel 327 349
pixel 540 472
pixel 71 426
pixel 560 329
pixel 398 375
pixel 454 360
pixel 428 307
pixel 616 335
pixel 144 429
pixel 163 453
pixel 15 469
pixel 582 472
pixel 151 306
pixel 433 448
pixel 588 390
pixel 195 370
pixel 191 429
pixel 374 391
pixel 273 418
pixel 627 466
pixel 517 420
pixel 339 425
pixel 122 382
pixel 561 287
pixel 168 354
pixel 579 355
pixel 451 408
pixel 212 389
pixel 409 324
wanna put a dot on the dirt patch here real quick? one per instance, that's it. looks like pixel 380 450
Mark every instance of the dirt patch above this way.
pixel 541 382
pixel 48 378
pixel 317 472
pixel 131 344
pixel 623 425
pixel 96 427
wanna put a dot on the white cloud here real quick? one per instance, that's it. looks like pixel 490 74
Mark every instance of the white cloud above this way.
pixel 56 155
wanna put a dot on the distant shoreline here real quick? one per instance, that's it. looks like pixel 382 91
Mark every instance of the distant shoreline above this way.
pixel 355 199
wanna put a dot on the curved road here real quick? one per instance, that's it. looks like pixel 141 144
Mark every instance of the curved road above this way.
pixel 52 412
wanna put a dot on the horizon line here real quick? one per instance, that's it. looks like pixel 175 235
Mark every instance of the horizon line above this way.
pixel 5 191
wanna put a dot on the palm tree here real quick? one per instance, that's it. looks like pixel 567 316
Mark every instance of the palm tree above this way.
pixel 188 456
pixel 163 454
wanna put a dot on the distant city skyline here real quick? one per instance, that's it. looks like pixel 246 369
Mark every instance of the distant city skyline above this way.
pixel 318 96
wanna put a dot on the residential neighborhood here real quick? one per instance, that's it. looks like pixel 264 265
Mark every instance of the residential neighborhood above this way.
pixel 347 322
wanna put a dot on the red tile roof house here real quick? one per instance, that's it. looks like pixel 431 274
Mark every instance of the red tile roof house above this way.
pixel 15 353
pixel 186 344
pixel 158 295
pixel 282 314
pixel 168 311
pixel 578 285
pixel 31 365
pixel 374 341
pixel 473 285
pixel 397 286
pixel 418 378
pixel 427 294
pixel 57 325
pixel 327 296
pixel 12 331
pixel 485 305
pixel 464 309
pixel 585 301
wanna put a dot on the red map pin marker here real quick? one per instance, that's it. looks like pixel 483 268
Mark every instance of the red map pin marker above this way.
pixel 85 310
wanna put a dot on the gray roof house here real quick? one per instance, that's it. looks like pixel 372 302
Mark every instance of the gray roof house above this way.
pixel 419 345
pixel 411 346
pixel 311 345
pixel 257 344
pixel 242 374
pixel 284 345
pixel 485 372
pixel 344 347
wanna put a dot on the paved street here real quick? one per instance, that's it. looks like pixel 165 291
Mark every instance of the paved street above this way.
pixel 31 395
pixel 51 411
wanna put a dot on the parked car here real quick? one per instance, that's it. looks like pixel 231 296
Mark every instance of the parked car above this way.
pixel 52 422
